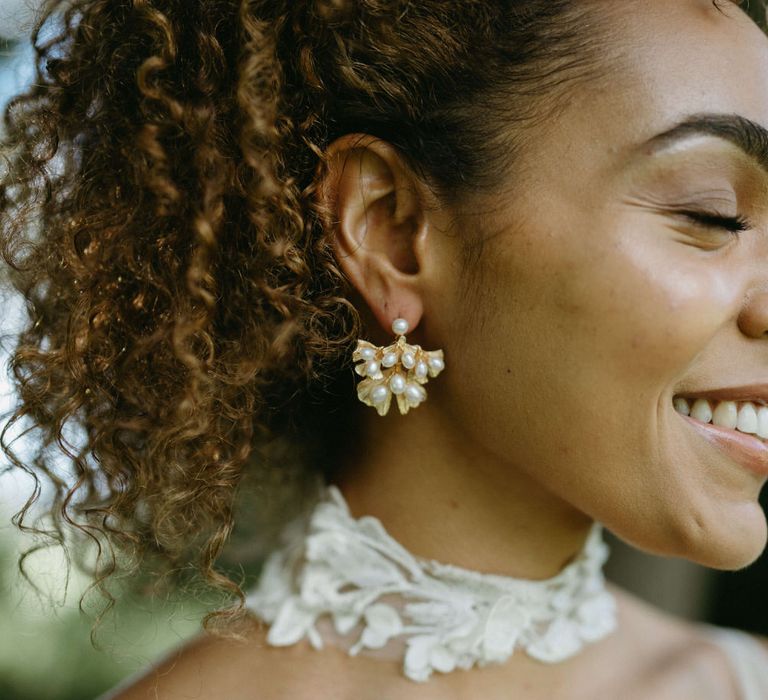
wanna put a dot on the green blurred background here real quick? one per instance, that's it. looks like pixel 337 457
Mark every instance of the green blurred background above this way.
pixel 45 644
pixel 46 651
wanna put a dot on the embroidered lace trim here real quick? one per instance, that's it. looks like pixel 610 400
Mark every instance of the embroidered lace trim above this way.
pixel 445 617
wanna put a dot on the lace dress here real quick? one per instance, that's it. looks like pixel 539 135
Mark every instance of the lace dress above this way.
pixel 346 581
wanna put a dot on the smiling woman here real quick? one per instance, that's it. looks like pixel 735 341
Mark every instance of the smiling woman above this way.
pixel 538 232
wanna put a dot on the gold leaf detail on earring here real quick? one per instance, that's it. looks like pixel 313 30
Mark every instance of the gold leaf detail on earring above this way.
pixel 399 370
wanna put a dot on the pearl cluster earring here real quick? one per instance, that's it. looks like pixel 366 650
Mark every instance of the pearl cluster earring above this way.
pixel 398 369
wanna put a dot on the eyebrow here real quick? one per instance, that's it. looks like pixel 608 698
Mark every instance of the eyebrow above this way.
pixel 748 136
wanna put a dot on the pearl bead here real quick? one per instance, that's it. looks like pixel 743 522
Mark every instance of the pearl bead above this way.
pixel 415 393
pixel 389 359
pixel 421 369
pixel 372 368
pixel 397 383
pixel 436 363
pixel 400 326
pixel 408 360
pixel 379 394
pixel 367 353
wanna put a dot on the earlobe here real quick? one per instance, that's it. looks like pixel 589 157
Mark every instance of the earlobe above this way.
pixel 373 199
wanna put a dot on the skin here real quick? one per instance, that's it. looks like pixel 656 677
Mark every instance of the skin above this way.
pixel 598 304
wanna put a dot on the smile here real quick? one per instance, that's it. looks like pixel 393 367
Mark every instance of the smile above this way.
pixel 743 416
pixel 738 429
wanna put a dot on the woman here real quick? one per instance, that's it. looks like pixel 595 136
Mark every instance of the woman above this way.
pixel 558 207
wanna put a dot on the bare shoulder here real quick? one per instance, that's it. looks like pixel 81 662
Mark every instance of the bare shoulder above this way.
pixel 656 655
pixel 681 659
pixel 674 657
pixel 209 666
pixel 721 660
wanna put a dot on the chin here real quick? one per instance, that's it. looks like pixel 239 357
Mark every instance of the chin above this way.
pixel 727 541
pixel 724 539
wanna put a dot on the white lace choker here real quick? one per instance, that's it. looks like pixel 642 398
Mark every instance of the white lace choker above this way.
pixel 438 616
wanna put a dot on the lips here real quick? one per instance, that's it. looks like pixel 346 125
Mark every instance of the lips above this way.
pixel 747 450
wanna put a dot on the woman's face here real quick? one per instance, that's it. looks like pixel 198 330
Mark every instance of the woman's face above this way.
pixel 602 301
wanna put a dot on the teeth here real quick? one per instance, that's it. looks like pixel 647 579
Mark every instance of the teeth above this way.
pixel 701 410
pixel 747 419
pixel 762 422
pixel 726 414
pixel 743 416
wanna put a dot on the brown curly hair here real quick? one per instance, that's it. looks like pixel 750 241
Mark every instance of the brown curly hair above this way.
pixel 187 321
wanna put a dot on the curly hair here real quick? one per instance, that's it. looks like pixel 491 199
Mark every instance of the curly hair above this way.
pixel 187 323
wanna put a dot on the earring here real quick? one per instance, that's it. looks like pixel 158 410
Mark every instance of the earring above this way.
pixel 398 369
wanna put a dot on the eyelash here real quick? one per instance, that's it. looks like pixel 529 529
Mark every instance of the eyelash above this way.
pixel 734 224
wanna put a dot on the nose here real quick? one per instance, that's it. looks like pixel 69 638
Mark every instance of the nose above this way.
pixel 753 319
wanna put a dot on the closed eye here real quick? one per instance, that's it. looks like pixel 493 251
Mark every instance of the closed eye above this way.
pixel 734 224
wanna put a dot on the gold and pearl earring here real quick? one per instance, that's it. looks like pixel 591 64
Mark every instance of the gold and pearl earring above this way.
pixel 399 369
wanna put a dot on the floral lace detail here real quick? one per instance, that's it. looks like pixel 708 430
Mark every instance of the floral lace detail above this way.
pixel 449 618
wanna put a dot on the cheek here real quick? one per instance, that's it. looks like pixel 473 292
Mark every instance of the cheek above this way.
pixel 572 354
pixel 661 306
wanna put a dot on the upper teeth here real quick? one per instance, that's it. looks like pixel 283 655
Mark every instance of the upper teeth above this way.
pixel 744 416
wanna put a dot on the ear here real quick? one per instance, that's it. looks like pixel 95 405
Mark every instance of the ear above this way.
pixel 375 203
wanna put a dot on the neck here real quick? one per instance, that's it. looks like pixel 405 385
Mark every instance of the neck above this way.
pixel 444 497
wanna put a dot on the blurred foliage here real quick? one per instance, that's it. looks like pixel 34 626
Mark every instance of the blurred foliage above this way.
pixel 45 647
pixel 46 651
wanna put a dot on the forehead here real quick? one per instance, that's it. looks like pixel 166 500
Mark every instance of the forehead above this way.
pixel 668 59
pixel 688 50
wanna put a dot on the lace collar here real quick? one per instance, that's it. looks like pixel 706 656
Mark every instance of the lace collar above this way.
pixel 350 572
